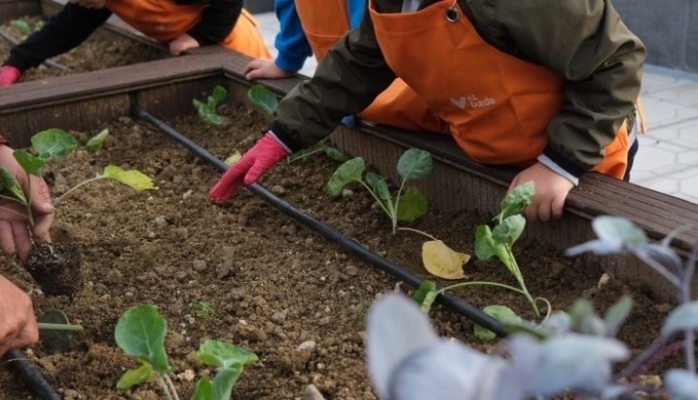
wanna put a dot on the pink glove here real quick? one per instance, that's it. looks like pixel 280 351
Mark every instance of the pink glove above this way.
pixel 266 153
pixel 9 75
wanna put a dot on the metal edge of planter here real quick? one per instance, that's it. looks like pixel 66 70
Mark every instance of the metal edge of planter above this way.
pixel 456 184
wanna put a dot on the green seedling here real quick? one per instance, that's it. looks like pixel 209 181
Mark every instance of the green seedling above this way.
pixel 496 242
pixel 96 142
pixel 205 310
pixel 266 101
pixel 140 333
pixel 25 27
pixel 207 110
pixel 56 332
pixel 47 146
pixel 409 203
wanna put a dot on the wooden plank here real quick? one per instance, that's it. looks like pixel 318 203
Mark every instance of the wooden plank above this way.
pixel 13 9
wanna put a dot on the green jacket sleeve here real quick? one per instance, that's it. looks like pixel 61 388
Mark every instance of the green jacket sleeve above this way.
pixel 586 43
pixel 348 79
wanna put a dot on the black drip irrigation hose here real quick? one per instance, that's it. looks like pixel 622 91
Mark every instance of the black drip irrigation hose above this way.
pixel 49 63
pixel 458 305
pixel 31 375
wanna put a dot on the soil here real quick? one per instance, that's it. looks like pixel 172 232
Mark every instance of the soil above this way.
pixel 274 286
pixel 101 50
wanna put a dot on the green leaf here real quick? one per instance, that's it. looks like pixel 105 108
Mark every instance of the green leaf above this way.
pixel 140 333
pixel 203 390
pixel 502 314
pixel 132 178
pixel 20 26
pixel 485 246
pixel 414 164
pixel 618 313
pixel 219 95
pixel 11 183
pixel 29 162
pixel 423 290
pixel 517 200
pixel 619 229
pixel 429 300
pixel 335 154
pixel 509 230
pixel 350 171
pixel 412 205
pixel 96 142
pixel 223 355
pixel 53 143
pixel 379 186
pixel 263 98
pixel 224 381
pixel 134 377
pixel 211 119
pixel 233 158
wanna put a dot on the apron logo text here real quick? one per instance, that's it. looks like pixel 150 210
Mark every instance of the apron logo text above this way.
pixel 472 101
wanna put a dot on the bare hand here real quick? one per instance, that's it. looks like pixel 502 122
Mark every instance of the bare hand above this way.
pixel 18 328
pixel 15 234
pixel 261 69
pixel 551 192
pixel 182 44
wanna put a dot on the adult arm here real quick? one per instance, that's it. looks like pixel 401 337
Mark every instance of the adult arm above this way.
pixel 63 32
pixel 217 21
pixel 347 80
pixel 587 44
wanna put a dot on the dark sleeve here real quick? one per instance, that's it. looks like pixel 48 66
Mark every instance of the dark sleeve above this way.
pixel 217 21
pixel 63 32
pixel 349 78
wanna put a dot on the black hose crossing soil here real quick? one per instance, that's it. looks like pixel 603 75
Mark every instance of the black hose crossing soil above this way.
pixel 456 304
pixel 31 375
pixel 49 63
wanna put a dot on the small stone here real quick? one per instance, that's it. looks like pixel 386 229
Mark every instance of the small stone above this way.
pixel 199 265
pixel 279 316
pixel 308 345
pixel 352 270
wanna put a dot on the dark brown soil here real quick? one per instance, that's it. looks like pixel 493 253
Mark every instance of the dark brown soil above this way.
pixel 57 268
pixel 274 285
pixel 102 50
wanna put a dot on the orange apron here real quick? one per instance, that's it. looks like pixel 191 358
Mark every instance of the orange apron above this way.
pixel 497 106
pixel 324 24
pixel 165 21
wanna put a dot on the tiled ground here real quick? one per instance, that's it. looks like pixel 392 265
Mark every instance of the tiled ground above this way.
pixel 668 156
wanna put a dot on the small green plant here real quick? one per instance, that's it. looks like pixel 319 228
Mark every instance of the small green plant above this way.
pixel 496 242
pixel 266 102
pixel 140 333
pixel 26 28
pixel 207 110
pixel 54 144
pixel 409 203
pixel 205 310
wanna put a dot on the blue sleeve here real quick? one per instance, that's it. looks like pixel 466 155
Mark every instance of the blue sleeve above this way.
pixel 291 42
pixel 356 12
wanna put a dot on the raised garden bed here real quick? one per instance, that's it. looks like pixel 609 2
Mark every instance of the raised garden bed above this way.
pixel 272 283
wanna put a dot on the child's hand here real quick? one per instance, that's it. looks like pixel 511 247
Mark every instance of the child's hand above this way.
pixel 260 69
pixel 182 44
pixel 551 192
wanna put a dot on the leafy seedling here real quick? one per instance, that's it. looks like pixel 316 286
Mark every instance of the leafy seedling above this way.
pixel 96 142
pixel 207 111
pixel 140 333
pixel 265 101
pixel 205 310
pixel 497 242
pixel 409 203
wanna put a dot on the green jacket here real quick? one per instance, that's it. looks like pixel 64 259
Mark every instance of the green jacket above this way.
pixel 583 41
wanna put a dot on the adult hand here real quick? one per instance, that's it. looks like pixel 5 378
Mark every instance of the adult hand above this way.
pixel 260 69
pixel 15 235
pixel 18 326
pixel 551 192
pixel 266 153
pixel 9 75
pixel 182 44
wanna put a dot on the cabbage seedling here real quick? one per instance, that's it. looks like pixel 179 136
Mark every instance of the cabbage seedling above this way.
pixel 409 203
pixel 207 110
pixel 140 333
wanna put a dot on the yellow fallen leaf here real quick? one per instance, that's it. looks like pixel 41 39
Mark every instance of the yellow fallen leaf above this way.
pixel 443 262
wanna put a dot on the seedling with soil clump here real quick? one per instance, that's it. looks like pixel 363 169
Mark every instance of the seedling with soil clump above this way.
pixel 57 267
